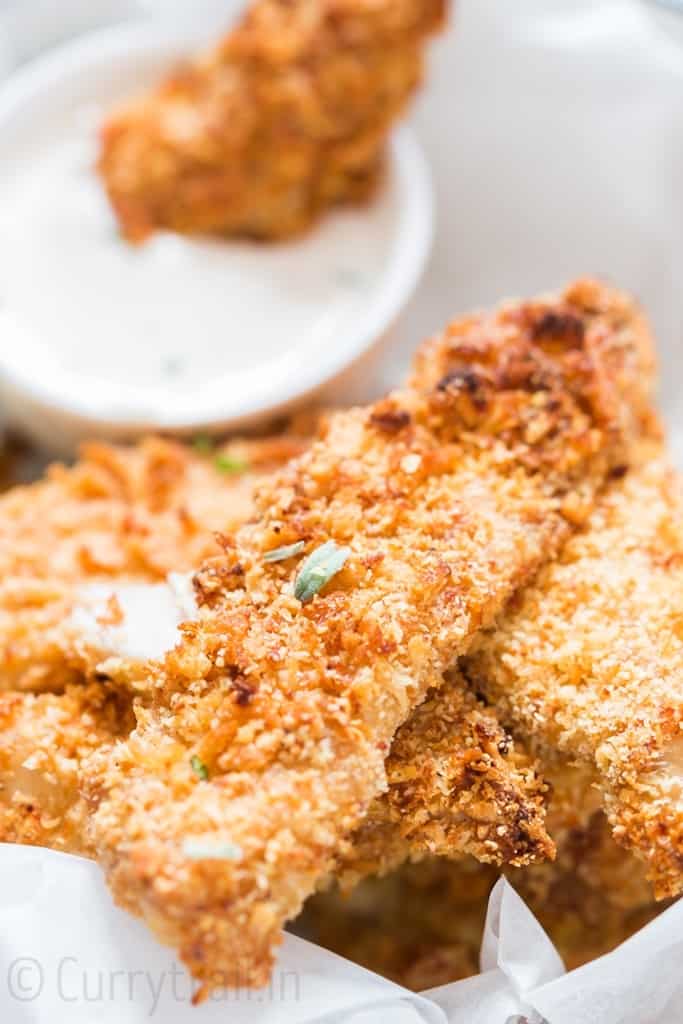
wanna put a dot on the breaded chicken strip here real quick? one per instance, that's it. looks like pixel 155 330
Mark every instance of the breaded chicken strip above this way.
pixel 51 532
pixel 443 812
pixel 589 659
pixel 428 771
pixel 450 788
pixel 427 765
pixel 285 117
pixel 473 792
pixel 467 791
pixel 120 514
pixel 415 935
pixel 457 784
pixel 422 925
pixel 44 739
pixel 430 508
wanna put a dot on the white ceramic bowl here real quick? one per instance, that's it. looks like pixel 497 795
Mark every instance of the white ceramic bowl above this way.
pixel 59 407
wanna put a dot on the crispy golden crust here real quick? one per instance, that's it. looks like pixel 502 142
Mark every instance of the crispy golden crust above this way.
pixel 131 514
pixel 589 659
pixel 499 810
pixel 448 500
pixel 458 788
pixel 285 117
pixel 45 739
pixel 422 925
pixel 434 804
pixel 434 800
pixel 577 320
pixel 120 513
pixel 457 784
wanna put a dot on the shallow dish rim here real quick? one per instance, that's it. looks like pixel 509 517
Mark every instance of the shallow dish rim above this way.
pixel 28 395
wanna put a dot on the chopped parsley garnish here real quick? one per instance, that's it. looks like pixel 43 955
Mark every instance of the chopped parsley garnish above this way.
pixel 318 569
pixel 230 464
pixel 287 551
pixel 199 768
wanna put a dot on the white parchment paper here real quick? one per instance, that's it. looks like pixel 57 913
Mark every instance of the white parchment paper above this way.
pixel 67 954
pixel 555 133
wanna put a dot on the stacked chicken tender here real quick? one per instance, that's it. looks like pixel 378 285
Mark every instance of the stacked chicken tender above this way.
pixel 443 630
pixel 383 657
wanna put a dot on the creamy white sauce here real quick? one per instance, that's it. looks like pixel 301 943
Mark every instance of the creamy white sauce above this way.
pixel 148 620
pixel 139 326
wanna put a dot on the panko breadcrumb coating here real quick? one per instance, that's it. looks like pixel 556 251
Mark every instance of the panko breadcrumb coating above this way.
pixel 446 793
pixel 421 927
pixel 468 755
pixel 447 501
pixel 457 784
pixel 287 116
pixel 44 739
pixel 120 514
pixel 465 790
pixel 589 659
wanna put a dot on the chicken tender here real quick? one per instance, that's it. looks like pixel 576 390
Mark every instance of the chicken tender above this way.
pixel 457 783
pixel 45 740
pixel 120 514
pixel 422 925
pixel 467 791
pixel 426 768
pixel 288 115
pixel 374 560
pixel 498 791
pixel 589 659
pixel 586 850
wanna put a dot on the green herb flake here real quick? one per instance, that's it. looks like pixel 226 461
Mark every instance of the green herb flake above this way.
pixel 199 768
pixel 230 464
pixel 288 551
pixel 318 569
pixel 202 849
pixel 203 444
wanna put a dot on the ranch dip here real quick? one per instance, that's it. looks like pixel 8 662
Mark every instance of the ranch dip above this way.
pixel 137 330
